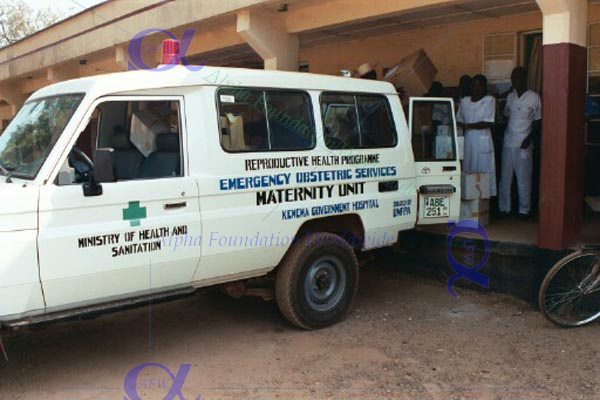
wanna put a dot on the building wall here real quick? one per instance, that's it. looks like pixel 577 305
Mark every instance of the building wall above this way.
pixel 455 50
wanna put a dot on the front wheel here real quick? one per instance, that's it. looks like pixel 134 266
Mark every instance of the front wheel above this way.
pixel 317 281
pixel 570 293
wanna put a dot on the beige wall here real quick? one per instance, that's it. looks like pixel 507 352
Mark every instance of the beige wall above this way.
pixel 454 54
pixel 593 12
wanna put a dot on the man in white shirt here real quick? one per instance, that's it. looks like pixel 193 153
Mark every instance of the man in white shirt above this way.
pixel 524 111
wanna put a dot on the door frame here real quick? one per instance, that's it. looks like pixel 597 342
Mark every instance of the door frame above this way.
pixel 421 175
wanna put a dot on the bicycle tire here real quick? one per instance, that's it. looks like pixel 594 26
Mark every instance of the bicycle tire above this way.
pixel 550 300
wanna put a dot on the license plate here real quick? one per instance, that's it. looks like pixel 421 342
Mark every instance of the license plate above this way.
pixel 437 206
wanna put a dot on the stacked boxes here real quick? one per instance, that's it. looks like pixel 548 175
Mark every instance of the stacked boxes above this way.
pixel 415 73
pixel 476 210
pixel 475 185
pixel 475 195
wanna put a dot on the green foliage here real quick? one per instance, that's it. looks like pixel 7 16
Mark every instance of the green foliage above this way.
pixel 18 20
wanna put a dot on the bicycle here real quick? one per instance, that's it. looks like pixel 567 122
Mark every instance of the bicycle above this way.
pixel 570 293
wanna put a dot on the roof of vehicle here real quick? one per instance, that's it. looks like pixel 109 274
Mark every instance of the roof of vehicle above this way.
pixel 180 76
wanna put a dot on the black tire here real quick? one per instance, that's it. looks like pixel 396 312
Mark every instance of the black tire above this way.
pixel 317 281
pixel 575 269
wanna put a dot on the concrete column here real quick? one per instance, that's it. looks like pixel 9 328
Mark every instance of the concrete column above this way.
pixel 563 122
pixel 62 73
pixel 122 57
pixel 5 116
pixel 267 35
pixel 13 95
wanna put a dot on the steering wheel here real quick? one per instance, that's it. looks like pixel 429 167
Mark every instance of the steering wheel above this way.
pixel 81 162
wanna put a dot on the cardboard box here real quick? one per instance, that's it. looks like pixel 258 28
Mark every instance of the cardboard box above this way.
pixel 415 73
pixel 475 186
pixel 476 210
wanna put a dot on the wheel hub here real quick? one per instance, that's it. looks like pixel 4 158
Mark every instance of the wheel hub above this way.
pixel 325 283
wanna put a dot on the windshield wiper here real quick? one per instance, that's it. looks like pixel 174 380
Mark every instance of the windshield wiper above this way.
pixel 7 173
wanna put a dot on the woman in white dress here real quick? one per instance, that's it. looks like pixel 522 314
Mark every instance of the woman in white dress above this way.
pixel 476 116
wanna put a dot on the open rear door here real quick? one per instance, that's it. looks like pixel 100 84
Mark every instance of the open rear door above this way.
pixel 432 123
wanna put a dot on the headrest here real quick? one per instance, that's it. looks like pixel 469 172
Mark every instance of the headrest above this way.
pixel 168 142
pixel 120 140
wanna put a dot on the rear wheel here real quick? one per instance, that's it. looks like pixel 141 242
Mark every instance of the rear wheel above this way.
pixel 317 281
pixel 570 293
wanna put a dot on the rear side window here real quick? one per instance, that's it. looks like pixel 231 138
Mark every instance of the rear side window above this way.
pixel 353 121
pixel 254 120
pixel 433 130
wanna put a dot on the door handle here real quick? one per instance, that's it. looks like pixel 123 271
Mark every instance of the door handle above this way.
pixel 172 206
pixel 449 168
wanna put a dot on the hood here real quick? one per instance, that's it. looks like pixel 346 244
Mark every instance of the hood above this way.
pixel 18 206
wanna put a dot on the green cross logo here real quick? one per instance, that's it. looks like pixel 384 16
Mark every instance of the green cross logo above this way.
pixel 134 213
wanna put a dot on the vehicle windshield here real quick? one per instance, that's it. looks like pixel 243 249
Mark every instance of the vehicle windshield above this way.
pixel 29 138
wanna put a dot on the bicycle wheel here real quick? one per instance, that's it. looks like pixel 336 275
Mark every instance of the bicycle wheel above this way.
pixel 570 292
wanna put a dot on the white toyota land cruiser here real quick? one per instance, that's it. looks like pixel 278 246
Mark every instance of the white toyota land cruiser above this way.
pixel 123 186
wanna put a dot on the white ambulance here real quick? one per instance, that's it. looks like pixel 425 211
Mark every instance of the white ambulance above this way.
pixel 120 188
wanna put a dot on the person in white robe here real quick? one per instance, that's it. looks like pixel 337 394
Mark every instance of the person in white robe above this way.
pixel 524 112
pixel 476 116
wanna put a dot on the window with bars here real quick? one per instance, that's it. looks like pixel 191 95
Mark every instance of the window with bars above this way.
pixel 499 58
pixel 593 82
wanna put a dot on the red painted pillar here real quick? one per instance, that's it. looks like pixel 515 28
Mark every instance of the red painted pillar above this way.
pixel 562 153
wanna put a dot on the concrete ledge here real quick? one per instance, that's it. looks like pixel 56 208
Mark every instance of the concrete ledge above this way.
pixel 513 268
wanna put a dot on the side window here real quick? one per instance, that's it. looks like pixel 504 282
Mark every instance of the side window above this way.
pixel 340 121
pixel 253 120
pixel 134 140
pixel 376 125
pixel 433 131
pixel 353 121
pixel 290 120
pixel 243 125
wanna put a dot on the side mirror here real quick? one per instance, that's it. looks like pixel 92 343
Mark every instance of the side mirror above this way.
pixel 103 172
pixel 92 187
pixel 103 165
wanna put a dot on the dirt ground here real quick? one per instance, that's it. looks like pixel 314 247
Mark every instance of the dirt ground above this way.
pixel 406 338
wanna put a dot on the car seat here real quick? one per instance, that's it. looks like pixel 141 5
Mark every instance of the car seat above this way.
pixel 165 160
pixel 127 158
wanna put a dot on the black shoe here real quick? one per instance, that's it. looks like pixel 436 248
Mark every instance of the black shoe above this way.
pixel 503 215
pixel 523 217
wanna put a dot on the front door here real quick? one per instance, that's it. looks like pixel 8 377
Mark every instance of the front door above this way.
pixel 142 233
pixel 432 124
